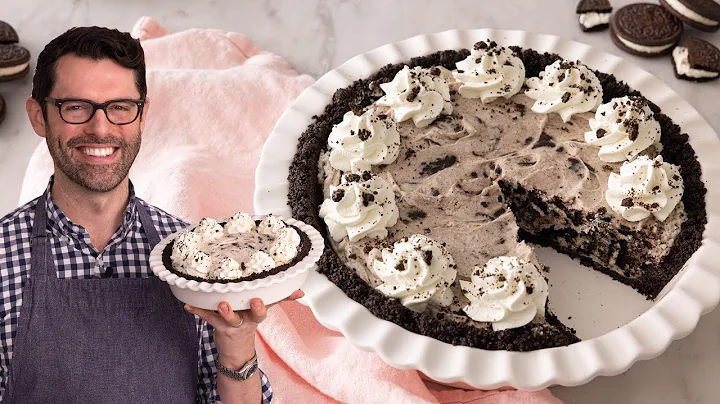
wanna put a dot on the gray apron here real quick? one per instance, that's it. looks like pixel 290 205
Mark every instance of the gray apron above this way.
pixel 116 340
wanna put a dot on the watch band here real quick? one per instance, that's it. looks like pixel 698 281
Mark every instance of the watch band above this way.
pixel 244 373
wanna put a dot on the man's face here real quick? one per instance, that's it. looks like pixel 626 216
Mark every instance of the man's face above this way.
pixel 96 155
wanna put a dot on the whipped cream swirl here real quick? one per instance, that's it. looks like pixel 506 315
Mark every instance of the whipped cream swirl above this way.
pixel 240 223
pixel 186 244
pixel 491 71
pixel 507 292
pixel 271 226
pixel 623 128
pixel 418 94
pixel 260 262
pixel 645 187
pixel 363 205
pixel 209 229
pixel 199 265
pixel 360 142
pixel 285 247
pixel 229 269
pixel 565 87
pixel 417 271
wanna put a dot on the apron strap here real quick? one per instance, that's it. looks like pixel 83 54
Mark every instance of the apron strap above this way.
pixel 147 224
pixel 42 263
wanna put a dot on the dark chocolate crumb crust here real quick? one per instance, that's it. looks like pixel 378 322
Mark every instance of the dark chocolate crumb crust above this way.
pixel 305 195
pixel 305 245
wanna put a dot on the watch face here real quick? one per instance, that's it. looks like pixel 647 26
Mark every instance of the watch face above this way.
pixel 252 369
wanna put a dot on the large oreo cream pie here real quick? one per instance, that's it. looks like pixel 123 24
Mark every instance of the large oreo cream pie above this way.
pixel 431 178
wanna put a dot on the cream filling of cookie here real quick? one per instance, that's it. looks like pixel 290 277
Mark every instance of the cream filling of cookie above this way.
pixel 446 185
pixel 8 71
pixel 644 48
pixel 682 9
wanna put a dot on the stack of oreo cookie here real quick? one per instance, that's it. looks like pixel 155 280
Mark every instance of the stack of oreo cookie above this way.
pixel 651 30
pixel 14 59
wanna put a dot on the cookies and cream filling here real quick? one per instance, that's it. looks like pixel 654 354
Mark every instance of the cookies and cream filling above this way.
pixel 623 128
pixel 9 71
pixel 236 250
pixel 489 72
pixel 645 187
pixel 593 19
pixel 682 65
pixel 690 14
pixel 418 94
pixel 507 292
pixel 565 87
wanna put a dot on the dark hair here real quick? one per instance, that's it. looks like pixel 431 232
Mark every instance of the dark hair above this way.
pixel 91 42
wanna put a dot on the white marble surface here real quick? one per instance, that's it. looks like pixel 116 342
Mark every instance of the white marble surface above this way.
pixel 317 35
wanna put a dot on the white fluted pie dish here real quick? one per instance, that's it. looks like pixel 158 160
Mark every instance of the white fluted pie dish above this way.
pixel 616 324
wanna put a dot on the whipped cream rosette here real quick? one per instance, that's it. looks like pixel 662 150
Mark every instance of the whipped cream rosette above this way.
pixel 507 292
pixel 565 87
pixel 418 94
pixel 623 128
pixel 416 271
pixel 363 205
pixel 491 71
pixel 360 142
pixel 645 187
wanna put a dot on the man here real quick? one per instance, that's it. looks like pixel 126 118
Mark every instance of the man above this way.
pixel 83 319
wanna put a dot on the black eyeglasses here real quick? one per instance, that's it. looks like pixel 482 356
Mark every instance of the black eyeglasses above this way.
pixel 77 111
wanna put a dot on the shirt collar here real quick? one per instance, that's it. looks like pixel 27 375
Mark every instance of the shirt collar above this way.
pixel 59 222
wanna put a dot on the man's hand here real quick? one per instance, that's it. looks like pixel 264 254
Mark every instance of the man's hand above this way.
pixel 234 331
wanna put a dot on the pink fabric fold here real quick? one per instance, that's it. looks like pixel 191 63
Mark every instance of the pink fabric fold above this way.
pixel 214 98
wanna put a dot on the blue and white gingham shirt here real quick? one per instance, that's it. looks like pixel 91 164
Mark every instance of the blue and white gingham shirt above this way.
pixel 127 253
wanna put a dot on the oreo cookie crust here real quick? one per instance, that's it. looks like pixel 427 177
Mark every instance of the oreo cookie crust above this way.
pixel 593 15
pixel 645 29
pixel 14 62
pixel 7 34
pixel 696 60
pixel 305 195
pixel 701 14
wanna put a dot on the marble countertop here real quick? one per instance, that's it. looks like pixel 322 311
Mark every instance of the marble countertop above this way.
pixel 320 35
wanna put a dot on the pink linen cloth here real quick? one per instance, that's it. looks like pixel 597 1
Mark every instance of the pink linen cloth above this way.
pixel 214 99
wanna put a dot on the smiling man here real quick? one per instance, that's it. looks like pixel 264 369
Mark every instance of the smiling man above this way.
pixel 82 317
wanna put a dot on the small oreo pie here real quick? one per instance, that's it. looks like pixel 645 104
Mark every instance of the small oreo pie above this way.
pixel 594 15
pixel 237 259
pixel 238 250
pixel 696 60
pixel 701 14
pixel 645 29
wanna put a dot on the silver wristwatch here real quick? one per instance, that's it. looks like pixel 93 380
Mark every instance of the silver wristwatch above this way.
pixel 244 373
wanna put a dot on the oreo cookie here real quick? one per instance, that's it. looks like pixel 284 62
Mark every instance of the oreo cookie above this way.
pixel 701 14
pixel 2 108
pixel 594 15
pixel 14 62
pixel 645 29
pixel 7 34
pixel 696 60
